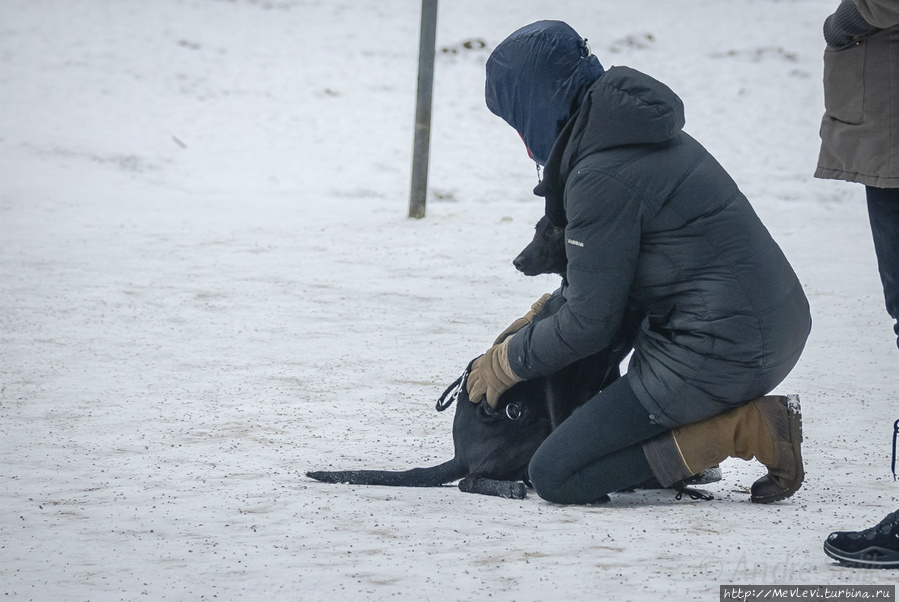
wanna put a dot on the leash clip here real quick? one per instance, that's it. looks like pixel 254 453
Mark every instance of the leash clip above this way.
pixel 452 392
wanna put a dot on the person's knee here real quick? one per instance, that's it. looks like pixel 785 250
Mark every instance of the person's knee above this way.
pixel 544 475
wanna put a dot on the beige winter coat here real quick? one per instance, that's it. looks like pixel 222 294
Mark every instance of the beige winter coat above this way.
pixel 860 129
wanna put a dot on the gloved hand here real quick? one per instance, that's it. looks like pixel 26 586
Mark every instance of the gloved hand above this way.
pixel 522 321
pixel 491 375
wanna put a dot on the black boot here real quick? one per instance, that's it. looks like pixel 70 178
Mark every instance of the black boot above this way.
pixel 874 548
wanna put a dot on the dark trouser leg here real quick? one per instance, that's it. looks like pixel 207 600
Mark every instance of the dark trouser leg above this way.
pixel 596 451
pixel 883 212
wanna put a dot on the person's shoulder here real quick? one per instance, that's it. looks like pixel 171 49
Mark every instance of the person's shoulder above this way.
pixel 623 77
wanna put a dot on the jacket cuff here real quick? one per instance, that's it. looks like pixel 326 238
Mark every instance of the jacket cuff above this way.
pixel 502 356
pixel 846 25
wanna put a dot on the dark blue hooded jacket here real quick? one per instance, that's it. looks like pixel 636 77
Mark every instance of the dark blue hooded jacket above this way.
pixel 539 105
pixel 655 227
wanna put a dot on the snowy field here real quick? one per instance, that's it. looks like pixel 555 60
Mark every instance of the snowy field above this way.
pixel 209 285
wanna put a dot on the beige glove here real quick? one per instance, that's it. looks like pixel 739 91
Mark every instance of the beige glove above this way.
pixel 522 321
pixel 491 375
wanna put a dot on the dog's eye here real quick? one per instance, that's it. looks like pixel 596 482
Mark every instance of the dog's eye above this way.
pixel 513 411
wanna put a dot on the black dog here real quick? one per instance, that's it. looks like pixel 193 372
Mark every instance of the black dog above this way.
pixel 493 447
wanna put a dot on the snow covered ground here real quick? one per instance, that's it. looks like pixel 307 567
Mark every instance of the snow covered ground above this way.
pixel 209 285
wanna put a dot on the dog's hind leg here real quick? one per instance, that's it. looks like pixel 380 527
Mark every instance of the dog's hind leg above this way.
pixel 515 490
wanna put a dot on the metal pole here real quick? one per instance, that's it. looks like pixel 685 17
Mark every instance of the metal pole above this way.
pixel 421 145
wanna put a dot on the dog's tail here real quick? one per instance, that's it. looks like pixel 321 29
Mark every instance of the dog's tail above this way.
pixel 417 477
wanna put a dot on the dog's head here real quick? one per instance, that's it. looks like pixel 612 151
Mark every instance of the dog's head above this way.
pixel 546 252
pixel 499 443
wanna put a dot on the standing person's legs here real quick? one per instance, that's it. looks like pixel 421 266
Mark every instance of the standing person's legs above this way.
pixel 597 450
pixel 883 213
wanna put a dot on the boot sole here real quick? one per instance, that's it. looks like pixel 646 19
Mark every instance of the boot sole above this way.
pixel 864 559
pixel 794 412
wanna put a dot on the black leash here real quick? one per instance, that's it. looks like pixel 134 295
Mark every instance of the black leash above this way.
pixel 895 437
pixel 695 494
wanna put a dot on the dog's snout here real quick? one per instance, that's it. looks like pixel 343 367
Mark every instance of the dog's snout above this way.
pixel 519 262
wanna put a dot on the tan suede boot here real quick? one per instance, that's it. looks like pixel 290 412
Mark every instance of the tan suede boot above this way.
pixel 767 428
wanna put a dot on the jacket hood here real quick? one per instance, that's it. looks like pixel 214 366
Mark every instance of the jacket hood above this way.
pixel 626 107
pixel 536 80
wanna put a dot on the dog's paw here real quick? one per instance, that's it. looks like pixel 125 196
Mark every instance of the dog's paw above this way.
pixel 515 490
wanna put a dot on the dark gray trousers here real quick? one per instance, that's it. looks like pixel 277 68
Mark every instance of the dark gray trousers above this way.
pixel 883 213
pixel 596 451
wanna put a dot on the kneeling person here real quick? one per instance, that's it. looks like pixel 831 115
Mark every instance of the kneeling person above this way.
pixel 655 229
